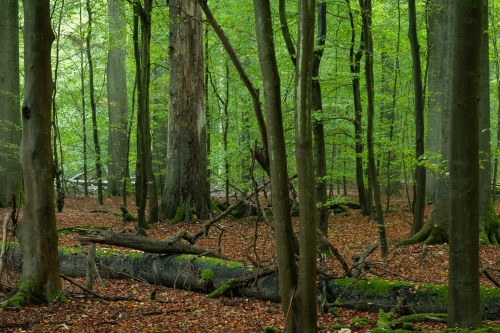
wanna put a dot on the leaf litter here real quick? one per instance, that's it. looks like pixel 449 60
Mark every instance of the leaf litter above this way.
pixel 186 311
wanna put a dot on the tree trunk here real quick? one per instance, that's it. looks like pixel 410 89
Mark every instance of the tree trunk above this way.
pixel 117 99
pixel 10 135
pixel 440 45
pixel 463 294
pixel 318 126
pixel 187 188
pixel 145 181
pixel 95 132
pixel 366 8
pixel 284 234
pixel 355 58
pixel 183 272
pixel 419 195
pixel 37 232
pixel 488 219
pixel 305 297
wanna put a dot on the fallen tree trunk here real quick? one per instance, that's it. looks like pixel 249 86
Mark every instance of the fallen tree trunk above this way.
pixel 143 243
pixel 186 271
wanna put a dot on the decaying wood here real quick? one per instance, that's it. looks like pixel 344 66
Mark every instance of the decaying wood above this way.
pixel 142 243
pixel 361 260
pixel 4 244
pixel 335 252
pixel 182 234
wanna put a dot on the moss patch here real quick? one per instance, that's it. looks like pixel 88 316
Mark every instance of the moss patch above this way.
pixel 24 289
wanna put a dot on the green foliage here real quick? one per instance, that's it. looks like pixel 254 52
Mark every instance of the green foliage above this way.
pixel 207 276
pixel 270 329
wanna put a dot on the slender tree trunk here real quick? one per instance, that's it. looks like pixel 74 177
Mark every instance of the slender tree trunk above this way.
pixel 355 58
pixel 419 195
pixel 261 154
pixel 10 133
pixel 463 285
pixel 488 218
pixel 318 126
pixel 37 230
pixel 55 123
pixel 366 7
pixel 84 111
pixel 117 98
pixel 284 234
pixel 97 147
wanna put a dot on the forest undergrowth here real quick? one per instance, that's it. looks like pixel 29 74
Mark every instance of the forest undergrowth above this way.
pixel 187 311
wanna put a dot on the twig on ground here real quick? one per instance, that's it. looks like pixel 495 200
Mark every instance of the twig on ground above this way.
pixel 115 298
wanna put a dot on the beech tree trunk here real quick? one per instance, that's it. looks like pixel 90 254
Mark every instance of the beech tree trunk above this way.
pixel 305 296
pixel 186 186
pixel 463 294
pixel 10 134
pixel 117 99
pixel 37 232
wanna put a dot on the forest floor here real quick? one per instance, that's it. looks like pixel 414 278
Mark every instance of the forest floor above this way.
pixel 185 311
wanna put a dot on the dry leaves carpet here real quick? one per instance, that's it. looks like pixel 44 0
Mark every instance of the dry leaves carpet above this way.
pixel 184 311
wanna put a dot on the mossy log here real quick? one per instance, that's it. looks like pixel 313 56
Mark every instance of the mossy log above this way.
pixel 184 272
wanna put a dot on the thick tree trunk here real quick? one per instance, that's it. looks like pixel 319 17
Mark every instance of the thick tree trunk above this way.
pixel 37 232
pixel 186 185
pixel 463 297
pixel 285 239
pixel 10 135
pixel 183 272
pixel 305 296
pixel 117 99
pixel 440 45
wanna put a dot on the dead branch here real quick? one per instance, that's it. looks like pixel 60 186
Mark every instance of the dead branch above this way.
pixel 182 234
pixel 114 298
pixel 335 252
pixel 361 259
pixel 486 273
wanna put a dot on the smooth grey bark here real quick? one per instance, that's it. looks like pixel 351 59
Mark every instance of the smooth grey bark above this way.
pixel 95 131
pixel 305 296
pixel 186 185
pixel 117 99
pixel 366 8
pixel 10 119
pixel 440 45
pixel 37 232
pixel 419 195
pixel 84 110
pixel 463 279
